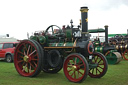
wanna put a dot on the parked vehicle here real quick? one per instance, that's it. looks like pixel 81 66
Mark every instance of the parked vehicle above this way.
pixel 7 51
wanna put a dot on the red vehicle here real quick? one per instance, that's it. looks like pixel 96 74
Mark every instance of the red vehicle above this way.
pixel 7 51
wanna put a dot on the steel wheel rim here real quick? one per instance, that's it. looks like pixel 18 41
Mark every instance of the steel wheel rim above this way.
pixel 125 55
pixel 72 69
pixel 26 58
pixel 101 66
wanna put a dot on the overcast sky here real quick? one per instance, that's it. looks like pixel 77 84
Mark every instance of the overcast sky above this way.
pixel 17 17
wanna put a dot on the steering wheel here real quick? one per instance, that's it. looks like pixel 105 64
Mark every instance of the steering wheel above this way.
pixel 51 26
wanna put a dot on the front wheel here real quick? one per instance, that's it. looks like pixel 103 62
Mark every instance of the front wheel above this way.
pixel 75 67
pixel 101 67
pixel 9 58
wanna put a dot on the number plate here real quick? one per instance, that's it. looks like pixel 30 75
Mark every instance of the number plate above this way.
pixel 90 56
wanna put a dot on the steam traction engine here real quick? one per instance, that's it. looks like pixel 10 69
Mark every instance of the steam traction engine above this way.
pixel 56 48
pixel 110 52
pixel 121 44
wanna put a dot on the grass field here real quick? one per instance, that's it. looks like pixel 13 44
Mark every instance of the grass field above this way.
pixel 116 75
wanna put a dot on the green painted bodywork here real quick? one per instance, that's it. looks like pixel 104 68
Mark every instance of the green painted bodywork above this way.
pixel 111 57
pixel 45 40
pixel 96 30
pixel 33 38
pixel 103 30
pixel 69 33
pixel 99 49
pixel 41 39
pixel 97 43
pixel 112 35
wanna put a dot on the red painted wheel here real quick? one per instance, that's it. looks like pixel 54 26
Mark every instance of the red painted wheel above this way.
pixel 101 65
pixel 125 54
pixel 75 67
pixel 27 58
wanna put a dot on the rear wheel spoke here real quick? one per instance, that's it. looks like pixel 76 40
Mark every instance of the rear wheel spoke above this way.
pixel 28 67
pixel 32 53
pixel 70 66
pixel 20 61
pixel 70 63
pixel 34 56
pixel 74 74
pixel 20 52
pixel 24 53
pixel 75 60
pixel 80 72
pixel 25 47
pixel 32 65
pixel 23 63
pixel 28 50
pixel 80 65
pixel 21 56
pixel 35 64
pixel 69 70
pixel 82 69
pixel 24 68
pixel 34 59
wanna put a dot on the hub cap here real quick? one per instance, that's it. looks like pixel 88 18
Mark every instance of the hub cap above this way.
pixel 26 58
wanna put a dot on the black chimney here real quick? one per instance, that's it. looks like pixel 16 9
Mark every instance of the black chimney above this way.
pixel 106 34
pixel 84 22
pixel 84 18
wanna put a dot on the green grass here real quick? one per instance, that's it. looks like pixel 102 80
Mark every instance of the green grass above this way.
pixel 116 75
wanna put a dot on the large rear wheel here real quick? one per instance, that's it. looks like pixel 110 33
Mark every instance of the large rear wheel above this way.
pixel 101 67
pixel 75 67
pixel 27 58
